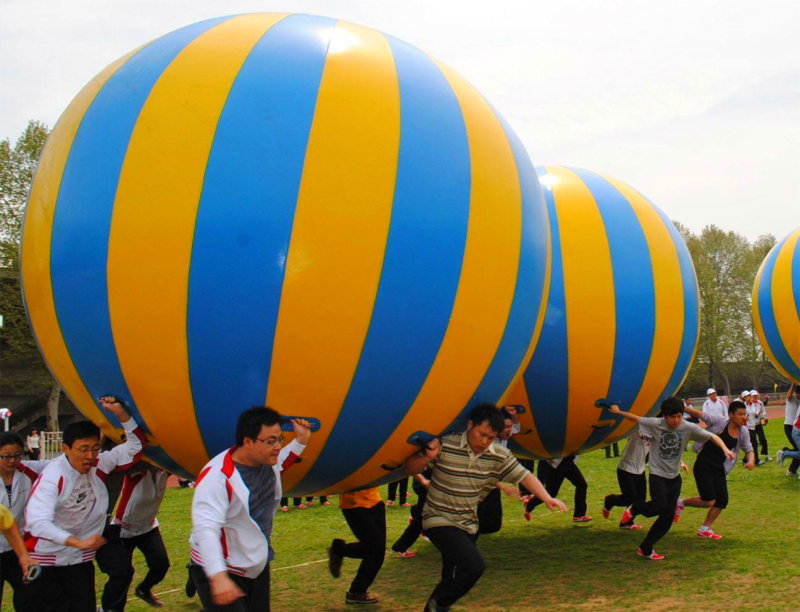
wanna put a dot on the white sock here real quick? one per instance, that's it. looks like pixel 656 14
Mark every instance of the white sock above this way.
pixel 703 528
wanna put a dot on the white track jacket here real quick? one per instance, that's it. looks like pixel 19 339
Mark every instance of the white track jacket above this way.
pixel 224 537
pixel 139 501
pixel 21 485
pixel 45 514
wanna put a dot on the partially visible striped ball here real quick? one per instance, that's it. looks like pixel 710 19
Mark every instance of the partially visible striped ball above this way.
pixel 290 210
pixel 776 306
pixel 621 319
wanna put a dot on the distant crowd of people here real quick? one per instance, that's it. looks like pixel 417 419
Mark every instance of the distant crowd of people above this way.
pixel 92 504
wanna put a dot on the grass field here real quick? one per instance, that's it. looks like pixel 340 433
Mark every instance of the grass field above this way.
pixel 548 563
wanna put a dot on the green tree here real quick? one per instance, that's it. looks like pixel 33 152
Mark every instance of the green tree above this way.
pixel 23 371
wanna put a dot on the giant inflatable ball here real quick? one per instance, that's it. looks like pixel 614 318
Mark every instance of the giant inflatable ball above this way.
pixel 776 306
pixel 621 319
pixel 290 210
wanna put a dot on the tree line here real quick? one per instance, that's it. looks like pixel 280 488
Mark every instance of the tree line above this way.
pixel 728 356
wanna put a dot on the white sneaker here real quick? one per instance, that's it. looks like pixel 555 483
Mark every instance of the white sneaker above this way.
pixel 779 458
pixel 767 458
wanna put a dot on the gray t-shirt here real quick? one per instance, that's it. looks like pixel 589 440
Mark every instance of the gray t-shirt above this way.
pixel 260 480
pixel 634 455
pixel 667 445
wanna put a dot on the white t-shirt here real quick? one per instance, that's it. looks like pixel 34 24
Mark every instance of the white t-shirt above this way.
pixel 792 410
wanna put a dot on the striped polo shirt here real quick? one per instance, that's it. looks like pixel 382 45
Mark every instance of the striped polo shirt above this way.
pixel 461 479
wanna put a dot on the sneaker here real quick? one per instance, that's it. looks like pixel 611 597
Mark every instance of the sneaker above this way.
pixel 432 606
pixel 779 458
pixel 632 526
pixel 767 458
pixel 708 534
pixel 148 598
pixel 335 559
pixel 606 509
pixel 678 509
pixel 791 473
pixel 759 463
pixel 406 505
pixel 284 508
pixel 406 554
pixel 627 516
pixel 390 502
pixel 581 519
pixel 326 503
pixel 360 598
pixel 301 507
pixel 653 556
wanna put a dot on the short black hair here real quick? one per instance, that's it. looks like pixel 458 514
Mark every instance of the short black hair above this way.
pixel 505 414
pixel 11 437
pixel 251 420
pixel 671 405
pixel 80 430
pixel 489 414
pixel 735 405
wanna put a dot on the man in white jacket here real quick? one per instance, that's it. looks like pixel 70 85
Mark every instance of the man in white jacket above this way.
pixel 236 497
pixel 66 511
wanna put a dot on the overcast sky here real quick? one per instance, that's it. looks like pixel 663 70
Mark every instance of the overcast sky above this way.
pixel 694 103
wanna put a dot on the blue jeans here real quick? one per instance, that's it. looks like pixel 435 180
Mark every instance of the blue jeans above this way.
pixel 794 454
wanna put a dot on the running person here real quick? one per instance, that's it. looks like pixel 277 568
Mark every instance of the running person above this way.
pixel 631 478
pixel 711 467
pixel 667 436
pixel 792 414
pixel 553 473
pixel 466 466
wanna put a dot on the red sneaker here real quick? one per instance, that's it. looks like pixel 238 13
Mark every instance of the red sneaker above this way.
pixel 406 505
pixel 709 534
pixel 389 502
pixel 653 556
pixel 406 555
pixel 627 516
pixel 284 508
pixel 678 509
pixel 606 510
pixel 581 519
pixel 301 507
pixel 326 503
pixel 633 526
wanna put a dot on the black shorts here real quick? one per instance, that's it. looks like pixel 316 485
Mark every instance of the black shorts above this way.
pixel 711 483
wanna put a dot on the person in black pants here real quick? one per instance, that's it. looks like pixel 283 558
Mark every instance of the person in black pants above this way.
pixel 792 414
pixel 631 478
pixel 392 495
pixel 552 473
pixel 420 484
pixel 366 515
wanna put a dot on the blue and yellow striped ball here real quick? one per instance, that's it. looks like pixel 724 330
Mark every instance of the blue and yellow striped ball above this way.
pixel 776 306
pixel 290 210
pixel 622 314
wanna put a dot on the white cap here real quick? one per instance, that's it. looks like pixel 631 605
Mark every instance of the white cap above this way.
pixel 710 391
pixel 745 393
pixel 754 392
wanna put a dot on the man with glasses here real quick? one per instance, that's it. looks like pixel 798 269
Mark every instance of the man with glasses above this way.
pixel 236 496
pixel 67 510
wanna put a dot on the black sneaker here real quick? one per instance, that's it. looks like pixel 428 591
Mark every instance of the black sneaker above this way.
pixel 334 558
pixel 433 606
pixel 360 598
pixel 148 597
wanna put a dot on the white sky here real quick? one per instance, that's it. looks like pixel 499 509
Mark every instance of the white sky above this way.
pixel 695 103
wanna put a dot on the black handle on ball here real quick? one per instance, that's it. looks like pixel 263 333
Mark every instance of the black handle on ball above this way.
pixel 286 423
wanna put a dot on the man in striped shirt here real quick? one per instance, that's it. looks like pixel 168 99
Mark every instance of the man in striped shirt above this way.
pixel 466 467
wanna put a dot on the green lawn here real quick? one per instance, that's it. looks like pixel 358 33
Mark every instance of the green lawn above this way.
pixel 549 563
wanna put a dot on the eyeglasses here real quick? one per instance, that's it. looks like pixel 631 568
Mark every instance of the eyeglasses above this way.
pixel 14 457
pixel 272 441
pixel 87 450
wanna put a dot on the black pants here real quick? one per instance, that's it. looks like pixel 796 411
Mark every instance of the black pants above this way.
pixel 754 442
pixel 414 529
pixel 762 440
pixel 369 527
pixel 615 447
pixel 528 465
pixel 67 588
pixel 115 561
pixel 664 493
pixel 552 479
pixel 403 484
pixel 462 563
pixel 11 572
pixel 490 513
pixel 155 555
pixel 633 488
pixel 787 429
pixel 256 591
